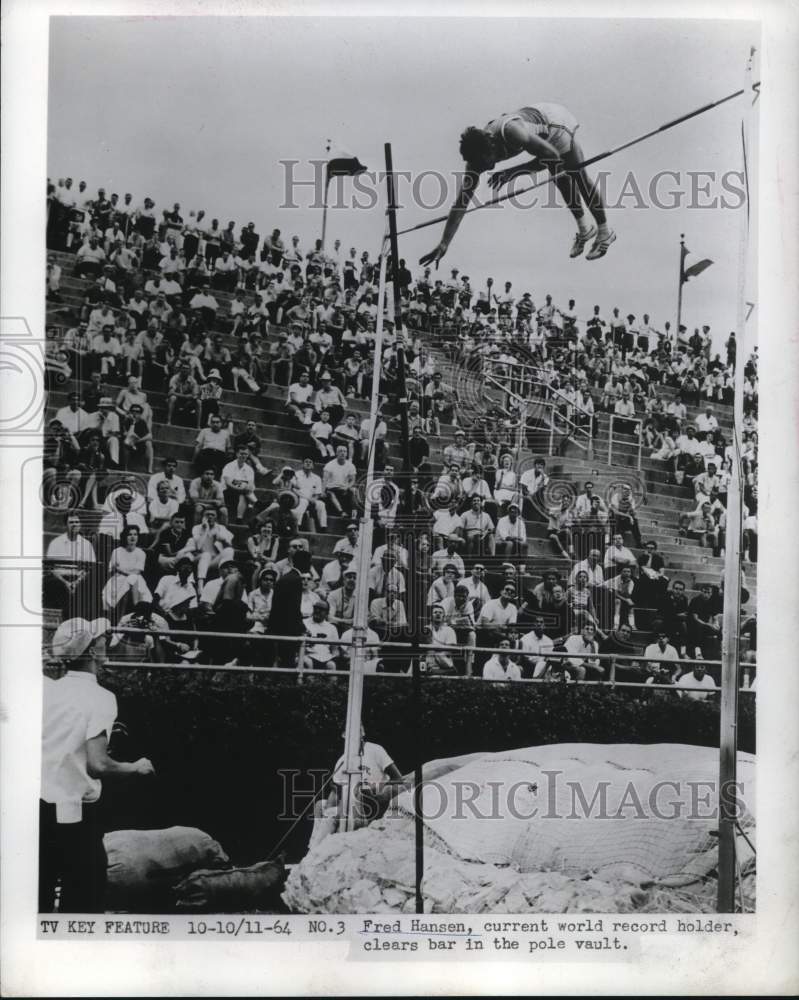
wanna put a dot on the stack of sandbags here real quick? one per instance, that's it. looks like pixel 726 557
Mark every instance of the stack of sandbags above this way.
pixel 145 865
pixel 236 890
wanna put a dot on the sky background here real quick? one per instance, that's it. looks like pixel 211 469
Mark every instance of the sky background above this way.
pixel 202 111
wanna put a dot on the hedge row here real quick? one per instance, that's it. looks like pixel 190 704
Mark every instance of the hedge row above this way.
pixel 218 742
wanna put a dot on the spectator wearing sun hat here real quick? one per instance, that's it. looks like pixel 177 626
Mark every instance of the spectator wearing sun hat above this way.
pixel 78 716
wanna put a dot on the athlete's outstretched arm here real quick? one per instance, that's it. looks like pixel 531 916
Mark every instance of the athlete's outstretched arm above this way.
pixel 466 190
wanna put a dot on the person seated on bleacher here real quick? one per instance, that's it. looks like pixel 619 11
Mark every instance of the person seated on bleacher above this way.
pixel 137 438
pixel 696 677
pixel 341 601
pixel 704 623
pixel 260 600
pixel 688 460
pixel 495 617
pixel 238 483
pixel 321 654
pixel 663 650
pixel 583 646
pixel 478 529
pixel 560 526
pixel 619 644
pixel 581 602
pixel 321 432
pixel 459 614
pixel 183 407
pixel 532 482
pixel 700 526
pixel 105 424
pixel 440 661
pixel 347 434
pixel 623 514
pixel 443 584
pixel 206 492
pixel 625 597
pixel 70 556
pixel 89 259
pixel 212 446
pixel 161 508
pixel 535 645
pixel 511 534
pixel 618 556
pixel 299 404
pixel 211 544
pixel 106 352
pixel 126 584
pixel 338 479
pixel 329 397
pixel 176 594
pixel 226 273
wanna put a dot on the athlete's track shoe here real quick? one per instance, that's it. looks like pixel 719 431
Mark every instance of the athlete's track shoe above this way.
pixel 580 241
pixel 600 247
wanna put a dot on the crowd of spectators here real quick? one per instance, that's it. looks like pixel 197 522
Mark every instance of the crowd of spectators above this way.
pixel 451 543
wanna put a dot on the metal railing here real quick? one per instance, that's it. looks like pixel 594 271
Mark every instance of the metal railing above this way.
pixel 629 420
pixel 514 654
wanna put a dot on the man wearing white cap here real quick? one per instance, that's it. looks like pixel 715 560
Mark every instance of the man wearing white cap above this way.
pixel 77 721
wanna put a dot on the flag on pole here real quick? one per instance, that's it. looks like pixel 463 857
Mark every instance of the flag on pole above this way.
pixel 343 164
pixel 694 269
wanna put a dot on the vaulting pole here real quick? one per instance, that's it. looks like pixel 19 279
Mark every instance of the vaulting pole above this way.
pixel 352 736
pixel 728 736
pixel 587 163
pixel 413 621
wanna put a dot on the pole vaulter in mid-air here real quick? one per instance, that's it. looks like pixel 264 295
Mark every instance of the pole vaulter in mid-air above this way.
pixel 548 132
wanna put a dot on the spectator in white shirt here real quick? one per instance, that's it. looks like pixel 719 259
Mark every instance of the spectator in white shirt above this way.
pixel 238 482
pixel 497 615
pixel 618 556
pixel 662 650
pixel 535 645
pixel 696 678
pixel 338 478
pixel 583 646
pixel 592 565
pixel 299 403
pixel 511 533
pixel 310 491
pixel 321 654
pixel 448 555
pixel 439 661
pixel 707 421
pixel 212 543
pixel 447 523
pixel 478 529
pixel 500 667
pixel 175 486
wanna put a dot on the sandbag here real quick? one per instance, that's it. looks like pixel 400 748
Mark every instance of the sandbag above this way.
pixel 236 890
pixel 144 865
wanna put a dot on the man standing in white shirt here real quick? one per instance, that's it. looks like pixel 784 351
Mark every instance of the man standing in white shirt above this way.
pixel 77 721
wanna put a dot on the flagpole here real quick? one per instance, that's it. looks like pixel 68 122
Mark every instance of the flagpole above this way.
pixel 731 619
pixel 324 208
pixel 680 283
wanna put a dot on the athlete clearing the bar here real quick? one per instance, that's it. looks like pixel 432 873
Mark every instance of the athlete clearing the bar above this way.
pixel 547 131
